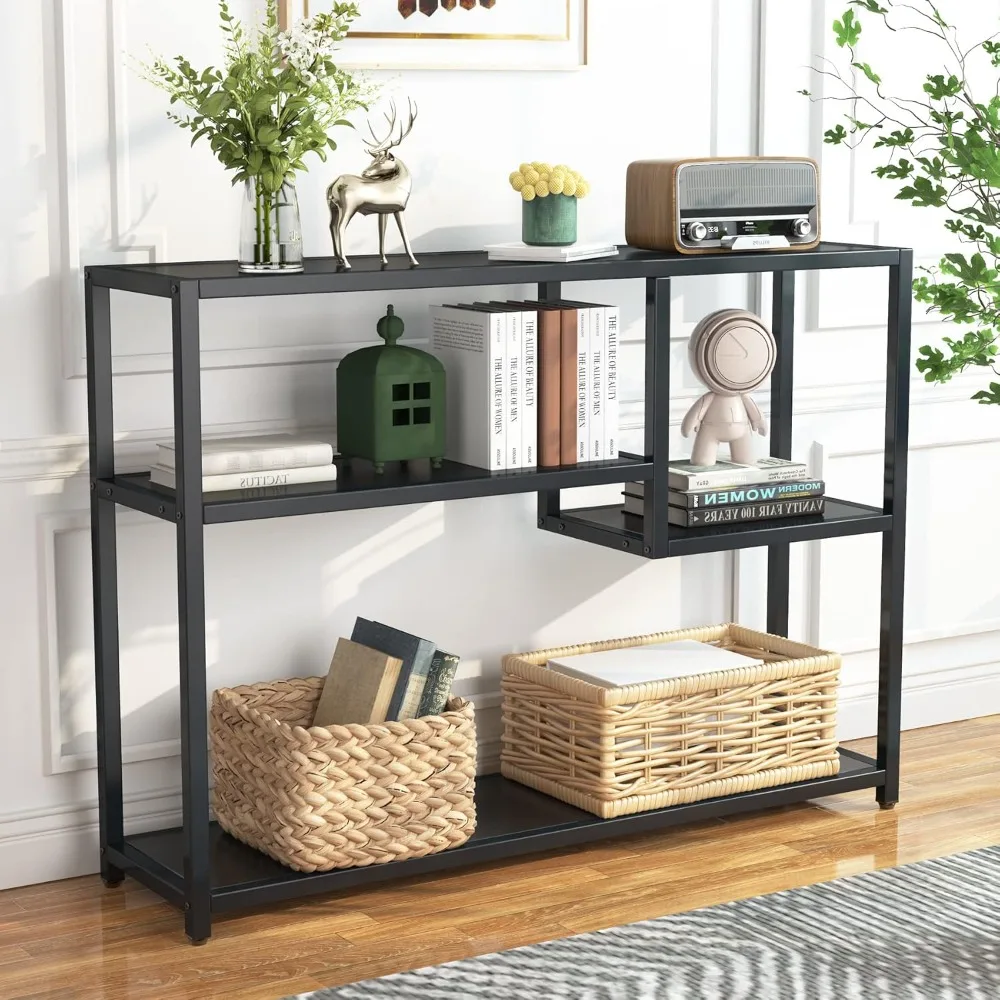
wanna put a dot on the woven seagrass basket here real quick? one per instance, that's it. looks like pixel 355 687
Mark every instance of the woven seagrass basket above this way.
pixel 319 798
pixel 617 751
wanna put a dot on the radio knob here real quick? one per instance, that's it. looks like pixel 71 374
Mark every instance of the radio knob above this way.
pixel 697 231
pixel 801 227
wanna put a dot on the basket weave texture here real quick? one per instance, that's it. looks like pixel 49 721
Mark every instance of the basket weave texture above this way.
pixel 319 798
pixel 617 751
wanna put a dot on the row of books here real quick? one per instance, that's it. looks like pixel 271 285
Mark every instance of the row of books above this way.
pixel 729 492
pixel 382 674
pixel 529 383
pixel 243 463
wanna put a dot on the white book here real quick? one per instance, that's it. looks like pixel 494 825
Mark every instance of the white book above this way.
pixel 686 477
pixel 529 390
pixel 657 662
pixel 220 456
pixel 596 446
pixel 578 251
pixel 611 409
pixel 584 319
pixel 471 344
pixel 251 480
pixel 513 390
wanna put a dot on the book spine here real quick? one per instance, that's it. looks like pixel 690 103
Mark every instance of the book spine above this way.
pixel 583 385
pixel 611 382
pixel 567 387
pixel 529 389
pixel 597 390
pixel 549 383
pixel 498 394
pixel 762 493
pixel 746 512
pixel 512 389
pixel 257 480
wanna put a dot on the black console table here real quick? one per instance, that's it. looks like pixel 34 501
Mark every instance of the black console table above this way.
pixel 203 870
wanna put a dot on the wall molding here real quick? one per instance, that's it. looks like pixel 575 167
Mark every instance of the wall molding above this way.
pixel 56 760
pixel 819 458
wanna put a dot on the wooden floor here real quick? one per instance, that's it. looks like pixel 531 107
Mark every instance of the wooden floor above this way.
pixel 75 939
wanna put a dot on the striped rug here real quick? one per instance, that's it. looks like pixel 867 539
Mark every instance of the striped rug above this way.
pixel 927 931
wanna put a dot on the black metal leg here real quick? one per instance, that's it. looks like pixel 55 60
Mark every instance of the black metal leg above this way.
pixel 782 324
pixel 897 424
pixel 549 504
pixel 657 418
pixel 191 611
pixel 101 426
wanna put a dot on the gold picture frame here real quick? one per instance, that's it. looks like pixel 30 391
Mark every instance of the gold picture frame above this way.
pixel 565 49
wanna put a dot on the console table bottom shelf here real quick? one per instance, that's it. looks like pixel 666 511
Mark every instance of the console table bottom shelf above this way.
pixel 512 820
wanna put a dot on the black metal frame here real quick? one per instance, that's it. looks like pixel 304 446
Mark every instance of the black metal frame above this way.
pixel 203 870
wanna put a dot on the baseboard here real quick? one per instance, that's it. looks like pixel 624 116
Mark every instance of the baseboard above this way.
pixel 44 845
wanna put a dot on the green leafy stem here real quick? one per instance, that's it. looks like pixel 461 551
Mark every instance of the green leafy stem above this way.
pixel 942 148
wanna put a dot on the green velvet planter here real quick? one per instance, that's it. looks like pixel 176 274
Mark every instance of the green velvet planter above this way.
pixel 549 221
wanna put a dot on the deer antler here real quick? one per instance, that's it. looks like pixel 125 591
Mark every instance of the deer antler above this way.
pixel 404 132
pixel 378 145
pixel 389 142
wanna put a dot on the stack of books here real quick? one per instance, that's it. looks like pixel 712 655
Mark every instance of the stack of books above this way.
pixel 382 674
pixel 268 462
pixel 559 255
pixel 728 492
pixel 529 383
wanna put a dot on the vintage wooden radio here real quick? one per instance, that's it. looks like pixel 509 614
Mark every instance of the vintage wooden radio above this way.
pixel 718 205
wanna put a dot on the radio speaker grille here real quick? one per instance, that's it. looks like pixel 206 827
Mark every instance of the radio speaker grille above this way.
pixel 747 185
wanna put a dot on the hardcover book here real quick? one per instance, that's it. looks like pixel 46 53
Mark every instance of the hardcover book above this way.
pixel 472 345
pixel 548 381
pixel 612 668
pixel 440 677
pixel 522 251
pixel 264 452
pixel 793 490
pixel 569 339
pixel 416 654
pixel 736 513
pixel 250 480
pixel 358 687
pixel 688 477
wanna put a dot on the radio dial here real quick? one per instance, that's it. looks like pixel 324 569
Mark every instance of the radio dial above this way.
pixel 801 227
pixel 697 231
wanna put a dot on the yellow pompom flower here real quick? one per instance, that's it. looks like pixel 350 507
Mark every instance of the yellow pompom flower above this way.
pixel 569 186
pixel 543 168
pixel 556 183
pixel 542 189
pixel 524 168
pixel 528 192
pixel 582 189
pixel 562 168
pixel 516 181
pixel 531 176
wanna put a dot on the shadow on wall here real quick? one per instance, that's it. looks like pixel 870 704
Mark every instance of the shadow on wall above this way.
pixel 476 576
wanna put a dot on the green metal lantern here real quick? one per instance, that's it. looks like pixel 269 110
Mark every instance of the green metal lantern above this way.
pixel 390 401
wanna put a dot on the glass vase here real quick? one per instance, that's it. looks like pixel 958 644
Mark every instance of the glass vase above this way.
pixel 270 230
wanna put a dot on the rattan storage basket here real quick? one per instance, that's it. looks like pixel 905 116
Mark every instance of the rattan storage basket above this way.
pixel 616 751
pixel 344 796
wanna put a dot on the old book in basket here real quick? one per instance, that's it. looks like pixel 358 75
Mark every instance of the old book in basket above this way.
pixel 620 750
pixel 358 687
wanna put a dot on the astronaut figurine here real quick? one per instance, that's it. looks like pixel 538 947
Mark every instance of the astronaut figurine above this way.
pixel 732 351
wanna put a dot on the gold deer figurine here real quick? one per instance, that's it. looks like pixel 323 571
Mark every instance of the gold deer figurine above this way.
pixel 382 189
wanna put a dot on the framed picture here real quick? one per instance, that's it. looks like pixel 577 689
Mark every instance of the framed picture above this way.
pixel 460 34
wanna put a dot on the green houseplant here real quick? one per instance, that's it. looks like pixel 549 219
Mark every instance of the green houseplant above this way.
pixel 942 148
pixel 275 99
